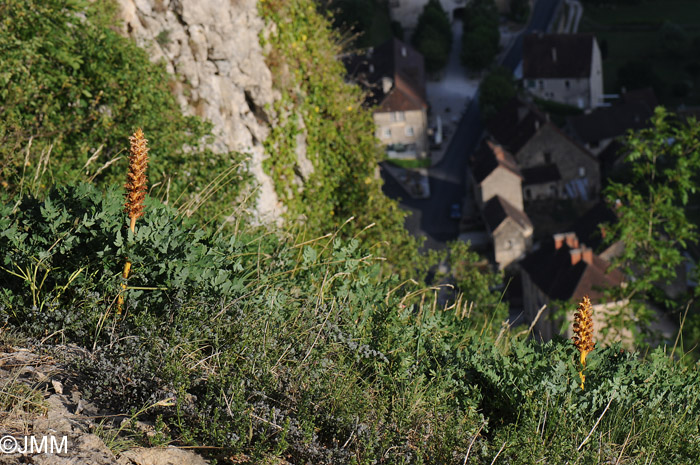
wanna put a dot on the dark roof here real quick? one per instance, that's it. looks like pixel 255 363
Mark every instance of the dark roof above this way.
pixel 490 156
pixel 587 227
pixel 402 65
pixel 498 209
pixel 609 122
pixel 541 174
pixel 515 124
pixel 557 55
pixel 551 270
pixel 645 96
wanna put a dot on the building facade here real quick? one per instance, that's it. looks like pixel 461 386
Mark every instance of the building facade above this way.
pixel 565 68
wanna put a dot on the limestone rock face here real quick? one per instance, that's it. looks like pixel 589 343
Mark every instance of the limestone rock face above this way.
pixel 212 47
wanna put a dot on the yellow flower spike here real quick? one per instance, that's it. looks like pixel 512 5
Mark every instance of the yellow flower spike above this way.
pixel 135 192
pixel 583 333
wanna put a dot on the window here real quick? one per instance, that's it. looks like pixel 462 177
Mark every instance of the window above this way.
pixel 387 133
pixel 528 194
pixel 541 83
pixel 409 131
pixel 509 244
pixel 567 84
pixel 581 172
pixel 530 83
pixel 547 158
pixel 398 116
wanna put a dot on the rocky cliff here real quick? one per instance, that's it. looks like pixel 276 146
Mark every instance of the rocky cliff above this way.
pixel 213 49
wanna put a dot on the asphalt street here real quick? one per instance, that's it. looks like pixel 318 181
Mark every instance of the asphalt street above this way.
pixel 430 217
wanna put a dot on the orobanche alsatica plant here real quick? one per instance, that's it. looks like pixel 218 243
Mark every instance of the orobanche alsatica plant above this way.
pixel 135 192
pixel 583 333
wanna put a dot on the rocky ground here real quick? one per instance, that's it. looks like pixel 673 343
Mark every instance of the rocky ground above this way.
pixel 40 399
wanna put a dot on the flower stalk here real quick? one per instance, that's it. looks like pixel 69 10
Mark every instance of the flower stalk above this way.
pixel 583 333
pixel 135 193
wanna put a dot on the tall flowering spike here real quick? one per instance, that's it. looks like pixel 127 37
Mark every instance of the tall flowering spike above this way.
pixel 583 332
pixel 136 177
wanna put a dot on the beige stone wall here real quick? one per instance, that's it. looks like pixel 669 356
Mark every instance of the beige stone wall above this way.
pixel 572 161
pixel 510 243
pixel 393 128
pixel 575 92
pixel 549 190
pixel 501 182
pixel 596 91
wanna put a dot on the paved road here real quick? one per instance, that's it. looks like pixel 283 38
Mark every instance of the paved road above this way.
pixel 430 217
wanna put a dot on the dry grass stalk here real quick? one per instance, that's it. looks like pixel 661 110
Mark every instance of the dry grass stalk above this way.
pixel 135 192
pixel 583 333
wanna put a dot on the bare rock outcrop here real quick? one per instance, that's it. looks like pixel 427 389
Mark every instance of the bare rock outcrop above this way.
pixel 213 48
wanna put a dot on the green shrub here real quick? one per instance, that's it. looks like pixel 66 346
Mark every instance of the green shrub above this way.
pixel 433 36
pixel 496 89
pixel 481 37
pixel 71 88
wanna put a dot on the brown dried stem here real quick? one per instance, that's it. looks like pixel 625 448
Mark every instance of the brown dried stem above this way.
pixel 583 332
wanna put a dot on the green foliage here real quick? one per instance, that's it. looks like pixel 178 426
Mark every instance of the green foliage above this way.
pixel 663 161
pixel 72 90
pixel 302 351
pixel 340 142
pixel 481 38
pixel 433 36
pixel 496 89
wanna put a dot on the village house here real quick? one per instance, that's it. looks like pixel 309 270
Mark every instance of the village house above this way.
pixel 552 164
pixel 497 184
pixel 394 74
pixel 564 270
pixel 565 68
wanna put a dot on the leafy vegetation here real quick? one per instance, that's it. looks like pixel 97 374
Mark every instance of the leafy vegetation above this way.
pixel 481 38
pixel 340 143
pixel 274 348
pixel 71 88
pixel 433 36
pixel 663 161
pixel 496 89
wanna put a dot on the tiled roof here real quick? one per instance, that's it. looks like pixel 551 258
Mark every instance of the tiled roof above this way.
pixel 541 174
pixel 402 65
pixel 515 124
pixel 558 56
pixel 498 209
pixel 489 157
pixel 609 122
pixel 551 270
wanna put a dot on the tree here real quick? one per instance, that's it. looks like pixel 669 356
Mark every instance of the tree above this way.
pixel 663 163
pixel 433 36
pixel 481 38
pixel 673 39
pixel 638 74
pixel 496 90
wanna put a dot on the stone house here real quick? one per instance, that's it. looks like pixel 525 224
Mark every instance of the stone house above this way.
pixel 495 172
pixel 394 75
pixel 564 270
pixel 556 166
pixel 510 230
pixel 565 68
pixel 497 184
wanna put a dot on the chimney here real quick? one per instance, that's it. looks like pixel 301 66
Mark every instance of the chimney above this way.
pixel 558 241
pixel 587 255
pixel 554 54
pixel 575 255
pixel 572 240
pixel 387 84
